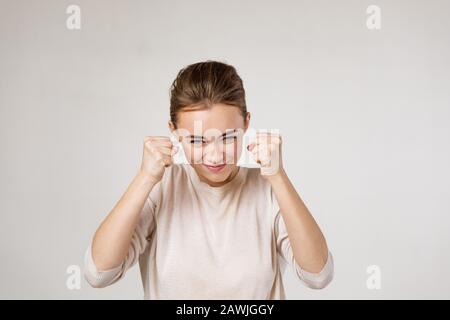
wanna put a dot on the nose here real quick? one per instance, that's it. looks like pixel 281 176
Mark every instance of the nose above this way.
pixel 213 153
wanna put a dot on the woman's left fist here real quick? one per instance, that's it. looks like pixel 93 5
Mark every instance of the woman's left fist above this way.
pixel 266 150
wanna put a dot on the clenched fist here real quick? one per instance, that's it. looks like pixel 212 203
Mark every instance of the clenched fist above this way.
pixel 266 150
pixel 157 155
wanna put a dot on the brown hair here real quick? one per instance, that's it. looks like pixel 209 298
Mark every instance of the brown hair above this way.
pixel 206 83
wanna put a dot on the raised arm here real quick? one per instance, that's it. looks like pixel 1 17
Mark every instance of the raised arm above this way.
pixel 300 236
pixel 112 239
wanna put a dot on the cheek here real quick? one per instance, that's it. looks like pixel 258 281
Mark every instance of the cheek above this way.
pixel 193 155
pixel 232 152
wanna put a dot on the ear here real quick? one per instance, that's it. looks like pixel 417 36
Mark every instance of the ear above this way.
pixel 247 121
pixel 171 126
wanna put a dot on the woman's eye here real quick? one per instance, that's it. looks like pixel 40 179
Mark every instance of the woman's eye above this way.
pixel 195 141
pixel 229 139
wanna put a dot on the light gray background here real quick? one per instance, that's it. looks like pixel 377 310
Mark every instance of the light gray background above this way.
pixel 364 115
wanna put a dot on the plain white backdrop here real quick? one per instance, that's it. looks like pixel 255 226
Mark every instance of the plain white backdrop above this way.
pixel 364 114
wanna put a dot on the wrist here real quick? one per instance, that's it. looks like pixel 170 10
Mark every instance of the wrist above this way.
pixel 145 178
pixel 278 176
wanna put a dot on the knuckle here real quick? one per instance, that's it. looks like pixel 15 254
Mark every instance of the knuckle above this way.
pixel 148 144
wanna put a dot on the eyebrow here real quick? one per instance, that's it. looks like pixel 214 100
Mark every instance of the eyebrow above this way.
pixel 227 132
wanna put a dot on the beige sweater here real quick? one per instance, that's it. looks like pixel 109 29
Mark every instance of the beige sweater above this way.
pixel 194 241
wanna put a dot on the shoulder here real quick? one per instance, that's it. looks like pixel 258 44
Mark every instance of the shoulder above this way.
pixel 254 178
pixel 174 175
pixel 260 188
pixel 257 185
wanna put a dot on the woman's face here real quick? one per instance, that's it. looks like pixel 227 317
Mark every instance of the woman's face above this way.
pixel 212 140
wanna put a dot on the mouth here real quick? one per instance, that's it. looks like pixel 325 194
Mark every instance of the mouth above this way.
pixel 215 168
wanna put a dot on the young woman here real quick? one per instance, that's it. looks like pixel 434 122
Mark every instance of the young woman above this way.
pixel 210 229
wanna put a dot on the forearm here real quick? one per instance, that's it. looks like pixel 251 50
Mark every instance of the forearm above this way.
pixel 307 241
pixel 113 237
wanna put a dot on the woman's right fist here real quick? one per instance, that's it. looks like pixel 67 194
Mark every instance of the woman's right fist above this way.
pixel 157 155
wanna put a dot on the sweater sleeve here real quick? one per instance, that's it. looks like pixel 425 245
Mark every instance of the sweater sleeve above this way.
pixel 312 280
pixel 141 236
